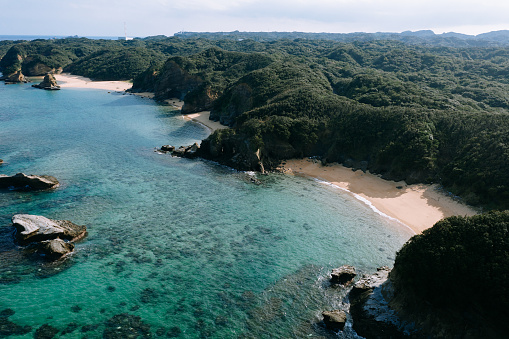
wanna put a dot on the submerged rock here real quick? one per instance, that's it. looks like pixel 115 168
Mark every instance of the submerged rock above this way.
pixel 343 275
pixel 28 182
pixel 49 83
pixel 46 332
pixel 126 326
pixel 334 320
pixel 36 228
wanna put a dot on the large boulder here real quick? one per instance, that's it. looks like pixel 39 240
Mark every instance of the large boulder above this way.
pixel 36 228
pixel 55 248
pixel 28 182
pixel 49 83
pixel 343 275
pixel 334 320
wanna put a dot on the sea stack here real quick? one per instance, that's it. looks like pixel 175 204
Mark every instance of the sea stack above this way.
pixel 49 83
pixel 15 78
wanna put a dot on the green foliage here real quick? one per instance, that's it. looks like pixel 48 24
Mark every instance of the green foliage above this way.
pixel 460 263
pixel 116 64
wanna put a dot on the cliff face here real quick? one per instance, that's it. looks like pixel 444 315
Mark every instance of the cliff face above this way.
pixel 448 282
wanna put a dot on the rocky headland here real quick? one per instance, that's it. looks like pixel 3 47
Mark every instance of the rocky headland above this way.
pixel 15 78
pixel 49 83
pixel 21 181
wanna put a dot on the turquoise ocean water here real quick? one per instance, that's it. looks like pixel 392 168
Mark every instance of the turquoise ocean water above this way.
pixel 192 248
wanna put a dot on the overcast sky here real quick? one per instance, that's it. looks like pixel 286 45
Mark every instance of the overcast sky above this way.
pixel 153 17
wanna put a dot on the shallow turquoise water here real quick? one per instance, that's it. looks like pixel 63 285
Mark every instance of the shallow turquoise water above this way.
pixel 193 248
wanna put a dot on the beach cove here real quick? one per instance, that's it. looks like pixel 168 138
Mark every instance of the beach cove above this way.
pixel 417 206
pixel 189 247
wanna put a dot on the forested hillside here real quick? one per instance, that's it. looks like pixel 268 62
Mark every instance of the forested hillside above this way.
pixel 407 111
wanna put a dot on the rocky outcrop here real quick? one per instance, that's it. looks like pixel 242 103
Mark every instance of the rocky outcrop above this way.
pixel 334 320
pixel 36 228
pixel 55 249
pixel 14 78
pixel 28 182
pixel 190 151
pixel 372 317
pixel 49 83
pixel 343 275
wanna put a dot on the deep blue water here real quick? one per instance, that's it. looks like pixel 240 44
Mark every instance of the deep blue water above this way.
pixel 191 247
pixel 45 37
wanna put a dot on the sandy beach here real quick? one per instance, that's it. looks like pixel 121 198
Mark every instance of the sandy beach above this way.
pixel 203 118
pixel 69 81
pixel 417 206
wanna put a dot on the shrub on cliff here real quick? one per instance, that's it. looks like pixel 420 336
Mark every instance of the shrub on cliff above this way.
pixel 461 263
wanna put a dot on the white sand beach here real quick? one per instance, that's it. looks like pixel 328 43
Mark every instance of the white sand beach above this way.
pixel 69 81
pixel 417 206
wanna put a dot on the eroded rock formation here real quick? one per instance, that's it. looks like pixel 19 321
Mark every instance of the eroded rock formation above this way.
pixel 49 83
pixel 36 228
pixel 28 182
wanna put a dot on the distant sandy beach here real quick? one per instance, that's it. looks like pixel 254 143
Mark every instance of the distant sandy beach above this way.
pixel 203 118
pixel 417 206
pixel 75 81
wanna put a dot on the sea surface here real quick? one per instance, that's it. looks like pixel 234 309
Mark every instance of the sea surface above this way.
pixel 176 247
pixel 46 37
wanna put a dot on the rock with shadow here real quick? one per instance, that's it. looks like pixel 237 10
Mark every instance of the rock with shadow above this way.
pixel 21 181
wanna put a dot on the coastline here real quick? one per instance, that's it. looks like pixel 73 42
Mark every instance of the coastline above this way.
pixel 417 206
pixel 66 80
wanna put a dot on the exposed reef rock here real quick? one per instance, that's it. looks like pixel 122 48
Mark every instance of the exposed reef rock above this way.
pixel 28 182
pixel 36 228
pixel 14 78
pixel 49 83
pixel 334 320
pixel 343 275
pixel 124 325
pixel 190 151
pixel 8 328
pixel 372 317
pixel 55 249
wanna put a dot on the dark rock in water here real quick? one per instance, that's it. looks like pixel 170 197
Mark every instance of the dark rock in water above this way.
pixel 173 332
pixel 126 326
pixel 88 328
pixel 184 151
pixel 160 331
pixel 1 161
pixel 46 332
pixel 148 295
pixel 334 320
pixel 28 182
pixel 167 148
pixel 76 308
pixel 372 318
pixel 49 83
pixel 55 248
pixel 6 313
pixel 33 228
pixel 8 328
pixel 343 275
pixel 71 327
